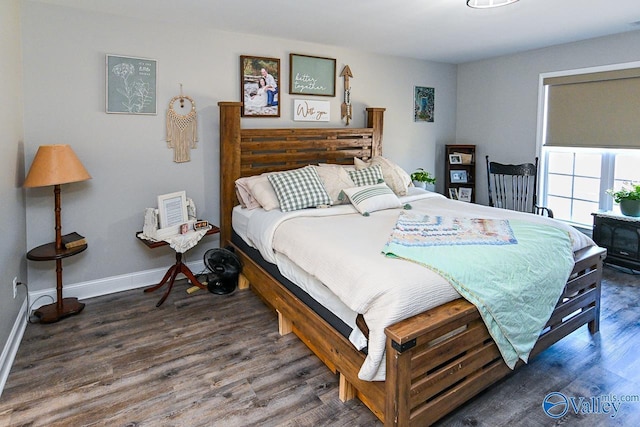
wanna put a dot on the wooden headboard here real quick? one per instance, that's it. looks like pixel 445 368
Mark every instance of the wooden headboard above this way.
pixel 247 152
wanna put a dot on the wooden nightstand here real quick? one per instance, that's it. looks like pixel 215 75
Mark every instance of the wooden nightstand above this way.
pixel 174 270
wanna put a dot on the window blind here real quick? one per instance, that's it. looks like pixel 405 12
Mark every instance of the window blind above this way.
pixel 594 109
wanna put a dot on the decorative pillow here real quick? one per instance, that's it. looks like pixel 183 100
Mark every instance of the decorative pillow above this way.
pixel 243 193
pixel 366 176
pixel 334 179
pixel 372 198
pixel 261 190
pixel 299 189
pixel 394 176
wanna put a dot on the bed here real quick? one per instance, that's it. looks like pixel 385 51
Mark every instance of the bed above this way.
pixel 435 360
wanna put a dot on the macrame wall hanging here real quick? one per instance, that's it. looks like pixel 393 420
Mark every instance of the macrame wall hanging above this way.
pixel 182 129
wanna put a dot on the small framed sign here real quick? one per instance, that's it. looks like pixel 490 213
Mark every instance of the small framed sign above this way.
pixel 172 209
pixel 311 111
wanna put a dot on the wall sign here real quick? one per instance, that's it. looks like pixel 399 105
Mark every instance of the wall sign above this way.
pixel 311 111
pixel 312 75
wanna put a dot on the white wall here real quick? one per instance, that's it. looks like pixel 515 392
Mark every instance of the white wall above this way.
pixel 498 98
pixel 64 53
pixel 12 208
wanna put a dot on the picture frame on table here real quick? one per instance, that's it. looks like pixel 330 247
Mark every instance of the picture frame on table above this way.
pixel 172 209
pixel 453 193
pixel 131 85
pixel 455 159
pixel 260 86
pixel 312 75
pixel 458 176
pixel 464 194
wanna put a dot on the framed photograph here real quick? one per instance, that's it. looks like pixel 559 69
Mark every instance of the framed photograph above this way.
pixel 260 86
pixel 455 159
pixel 423 104
pixel 131 85
pixel 172 209
pixel 458 175
pixel 312 75
pixel 453 193
pixel 464 194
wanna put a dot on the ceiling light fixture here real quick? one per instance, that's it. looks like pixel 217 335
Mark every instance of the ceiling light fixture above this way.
pixel 487 4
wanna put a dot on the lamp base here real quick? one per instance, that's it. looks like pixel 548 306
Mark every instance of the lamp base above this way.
pixel 49 313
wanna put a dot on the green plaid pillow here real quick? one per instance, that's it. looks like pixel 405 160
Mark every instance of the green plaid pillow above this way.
pixel 299 189
pixel 367 176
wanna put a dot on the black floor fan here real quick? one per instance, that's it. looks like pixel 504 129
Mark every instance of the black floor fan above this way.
pixel 224 267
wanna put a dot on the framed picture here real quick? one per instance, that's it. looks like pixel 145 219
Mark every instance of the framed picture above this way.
pixel 260 86
pixel 458 175
pixel 172 209
pixel 131 85
pixel 455 159
pixel 453 193
pixel 424 104
pixel 312 75
pixel 464 194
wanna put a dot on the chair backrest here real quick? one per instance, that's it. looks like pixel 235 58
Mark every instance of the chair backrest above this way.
pixel 513 186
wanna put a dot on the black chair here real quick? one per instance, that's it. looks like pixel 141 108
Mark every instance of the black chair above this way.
pixel 514 187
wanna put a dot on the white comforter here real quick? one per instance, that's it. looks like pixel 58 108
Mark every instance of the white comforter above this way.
pixel 342 249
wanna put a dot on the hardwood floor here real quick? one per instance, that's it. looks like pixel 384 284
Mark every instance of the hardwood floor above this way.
pixel 211 360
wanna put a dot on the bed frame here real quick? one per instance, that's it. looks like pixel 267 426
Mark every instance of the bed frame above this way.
pixel 436 360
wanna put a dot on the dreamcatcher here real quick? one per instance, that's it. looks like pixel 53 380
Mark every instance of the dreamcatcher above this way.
pixel 182 130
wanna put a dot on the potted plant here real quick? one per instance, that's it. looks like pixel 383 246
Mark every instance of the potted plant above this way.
pixel 423 179
pixel 628 197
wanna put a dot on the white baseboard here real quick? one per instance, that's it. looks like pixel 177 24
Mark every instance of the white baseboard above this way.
pixel 83 290
pixel 11 346
pixel 108 285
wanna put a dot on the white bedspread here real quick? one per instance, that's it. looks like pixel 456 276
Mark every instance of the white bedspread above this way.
pixel 342 249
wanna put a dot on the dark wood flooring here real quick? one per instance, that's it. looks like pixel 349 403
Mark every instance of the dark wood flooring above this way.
pixel 210 360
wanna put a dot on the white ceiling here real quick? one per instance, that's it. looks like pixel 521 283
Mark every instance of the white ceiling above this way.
pixel 437 30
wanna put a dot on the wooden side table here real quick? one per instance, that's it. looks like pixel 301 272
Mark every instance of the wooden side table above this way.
pixel 175 269
pixel 63 307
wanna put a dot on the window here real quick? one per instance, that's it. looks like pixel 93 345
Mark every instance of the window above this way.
pixel 575 180
pixel 590 138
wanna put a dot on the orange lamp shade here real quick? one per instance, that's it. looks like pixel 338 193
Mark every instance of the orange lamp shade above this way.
pixel 53 165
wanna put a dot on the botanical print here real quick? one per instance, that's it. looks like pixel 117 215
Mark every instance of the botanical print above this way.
pixel 424 100
pixel 131 85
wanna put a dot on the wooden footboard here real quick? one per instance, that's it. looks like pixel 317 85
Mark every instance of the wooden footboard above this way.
pixel 439 359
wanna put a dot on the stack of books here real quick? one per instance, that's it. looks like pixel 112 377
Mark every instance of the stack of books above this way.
pixel 73 240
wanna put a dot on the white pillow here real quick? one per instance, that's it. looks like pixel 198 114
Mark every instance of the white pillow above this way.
pixel 243 192
pixel 335 179
pixel 394 176
pixel 371 198
pixel 299 189
pixel 262 191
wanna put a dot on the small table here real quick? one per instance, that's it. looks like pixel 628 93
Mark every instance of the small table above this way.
pixel 178 267
pixel 63 307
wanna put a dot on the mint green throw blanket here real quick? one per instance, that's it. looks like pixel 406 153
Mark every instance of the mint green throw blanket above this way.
pixel 514 278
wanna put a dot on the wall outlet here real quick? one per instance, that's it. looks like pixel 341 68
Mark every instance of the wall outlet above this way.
pixel 15 287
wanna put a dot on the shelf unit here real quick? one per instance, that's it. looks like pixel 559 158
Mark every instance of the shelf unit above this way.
pixel 463 174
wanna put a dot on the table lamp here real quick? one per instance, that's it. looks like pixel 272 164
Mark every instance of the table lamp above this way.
pixel 56 165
